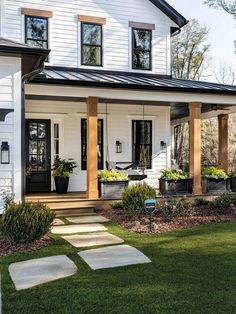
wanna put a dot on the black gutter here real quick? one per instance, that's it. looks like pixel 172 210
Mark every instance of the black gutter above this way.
pixel 39 80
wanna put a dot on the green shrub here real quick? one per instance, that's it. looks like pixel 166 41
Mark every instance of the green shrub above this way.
pixel 112 175
pixel 169 174
pixel 222 204
pixel 214 173
pixel 134 196
pixel 201 202
pixel 26 222
pixel 173 208
pixel 117 207
pixel 233 172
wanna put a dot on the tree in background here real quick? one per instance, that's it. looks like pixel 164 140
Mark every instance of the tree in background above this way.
pixel 225 74
pixel 227 5
pixel 190 49
pixel 190 60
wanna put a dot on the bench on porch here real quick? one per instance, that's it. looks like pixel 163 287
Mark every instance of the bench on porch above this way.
pixel 129 168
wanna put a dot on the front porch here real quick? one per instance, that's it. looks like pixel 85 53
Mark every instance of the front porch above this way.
pixel 110 113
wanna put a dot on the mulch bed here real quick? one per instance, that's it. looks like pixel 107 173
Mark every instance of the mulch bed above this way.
pixel 7 248
pixel 141 224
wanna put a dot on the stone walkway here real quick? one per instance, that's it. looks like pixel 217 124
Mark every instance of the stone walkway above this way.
pixel 31 273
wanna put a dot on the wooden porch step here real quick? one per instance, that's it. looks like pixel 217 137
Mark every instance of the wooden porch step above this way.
pixel 74 211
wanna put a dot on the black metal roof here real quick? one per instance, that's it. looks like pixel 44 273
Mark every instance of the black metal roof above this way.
pixel 128 80
pixel 167 9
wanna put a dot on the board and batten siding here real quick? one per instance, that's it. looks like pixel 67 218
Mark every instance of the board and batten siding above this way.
pixel 64 35
pixel 119 122
pixel 10 129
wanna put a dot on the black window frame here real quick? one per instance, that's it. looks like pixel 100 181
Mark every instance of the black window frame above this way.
pixel 149 166
pixel 88 45
pixel 32 39
pixel 145 50
pixel 84 162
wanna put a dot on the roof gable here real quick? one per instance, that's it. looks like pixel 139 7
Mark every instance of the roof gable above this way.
pixel 168 10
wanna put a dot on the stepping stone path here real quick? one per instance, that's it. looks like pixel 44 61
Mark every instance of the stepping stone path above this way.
pixel 93 239
pixel 58 222
pixel 34 272
pixel 70 229
pixel 113 256
pixel 87 219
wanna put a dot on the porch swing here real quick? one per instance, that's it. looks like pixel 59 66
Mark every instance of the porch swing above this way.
pixel 129 168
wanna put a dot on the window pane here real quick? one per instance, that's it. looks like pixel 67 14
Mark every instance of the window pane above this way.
pixel 41 130
pixel 36 28
pixel 33 131
pixel 141 59
pixel 37 44
pixel 91 55
pixel 56 130
pixel 33 147
pixel 142 39
pixel 92 34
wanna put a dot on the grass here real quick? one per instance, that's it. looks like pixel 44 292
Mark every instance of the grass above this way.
pixel 192 271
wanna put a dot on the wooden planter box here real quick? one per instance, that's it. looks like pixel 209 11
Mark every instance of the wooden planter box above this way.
pixel 175 187
pixel 215 186
pixel 112 189
pixel 233 184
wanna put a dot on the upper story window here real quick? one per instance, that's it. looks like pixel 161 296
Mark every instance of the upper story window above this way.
pixel 141 49
pixel 91 44
pixel 36 31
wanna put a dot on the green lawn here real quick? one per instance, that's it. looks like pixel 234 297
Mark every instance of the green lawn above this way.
pixel 192 271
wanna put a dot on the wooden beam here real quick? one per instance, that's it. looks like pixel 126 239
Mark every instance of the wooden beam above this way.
pixel 223 141
pixel 35 12
pixel 148 26
pixel 92 147
pixel 195 146
pixel 92 19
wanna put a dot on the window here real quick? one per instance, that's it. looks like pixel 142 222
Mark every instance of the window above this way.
pixel 142 143
pixel 56 140
pixel 36 31
pixel 91 44
pixel 84 144
pixel 141 54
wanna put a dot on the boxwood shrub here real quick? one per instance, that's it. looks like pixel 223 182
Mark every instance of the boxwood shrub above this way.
pixel 134 196
pixel 26 222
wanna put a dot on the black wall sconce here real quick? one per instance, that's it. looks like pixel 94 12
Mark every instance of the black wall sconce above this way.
pixel 118 147
pixel 5 153
pixel 163 147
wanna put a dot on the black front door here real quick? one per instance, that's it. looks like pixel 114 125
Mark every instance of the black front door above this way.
pixel 38 156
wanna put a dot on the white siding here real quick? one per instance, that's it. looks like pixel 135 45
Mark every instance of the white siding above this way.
pixel 65 30
pixel 119 119
pixel 10 129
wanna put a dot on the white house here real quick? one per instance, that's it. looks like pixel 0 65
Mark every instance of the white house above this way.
pixel 105 91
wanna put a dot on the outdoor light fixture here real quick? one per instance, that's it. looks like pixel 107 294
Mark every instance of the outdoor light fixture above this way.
pixel 118 147
pixel 163 146
pixel 5 153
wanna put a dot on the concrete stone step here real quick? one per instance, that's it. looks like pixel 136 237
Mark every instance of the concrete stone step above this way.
pixel 74 211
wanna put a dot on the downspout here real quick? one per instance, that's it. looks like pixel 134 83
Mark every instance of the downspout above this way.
pixel 25 79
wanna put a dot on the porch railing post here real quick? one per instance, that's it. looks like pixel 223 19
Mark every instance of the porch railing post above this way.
pixel 223 141
pixel 92 147
pixel 195 146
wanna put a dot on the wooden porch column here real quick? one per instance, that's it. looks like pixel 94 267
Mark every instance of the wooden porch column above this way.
pixel 195 145
pixel 223 141
pixel 92 147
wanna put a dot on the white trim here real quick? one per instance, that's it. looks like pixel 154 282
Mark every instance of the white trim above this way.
pixel 17 166
pixel 126 94
pixel 3 19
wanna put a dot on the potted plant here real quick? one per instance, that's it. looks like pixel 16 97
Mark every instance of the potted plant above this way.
pixel 175 182
pixel 214 181
pixel 111 183
pixel 61 172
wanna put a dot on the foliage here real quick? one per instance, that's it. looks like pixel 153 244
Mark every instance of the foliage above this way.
pixel 112 175
pixel 63 168
pixel 233 172
pixel 169 174
pixel 214 173
pixel 173 208
pixel 190 51
pixel 228 6
pixel 117 206
pixel 133 198
pixel 26 222
pixel 222 204
pixel 201 202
